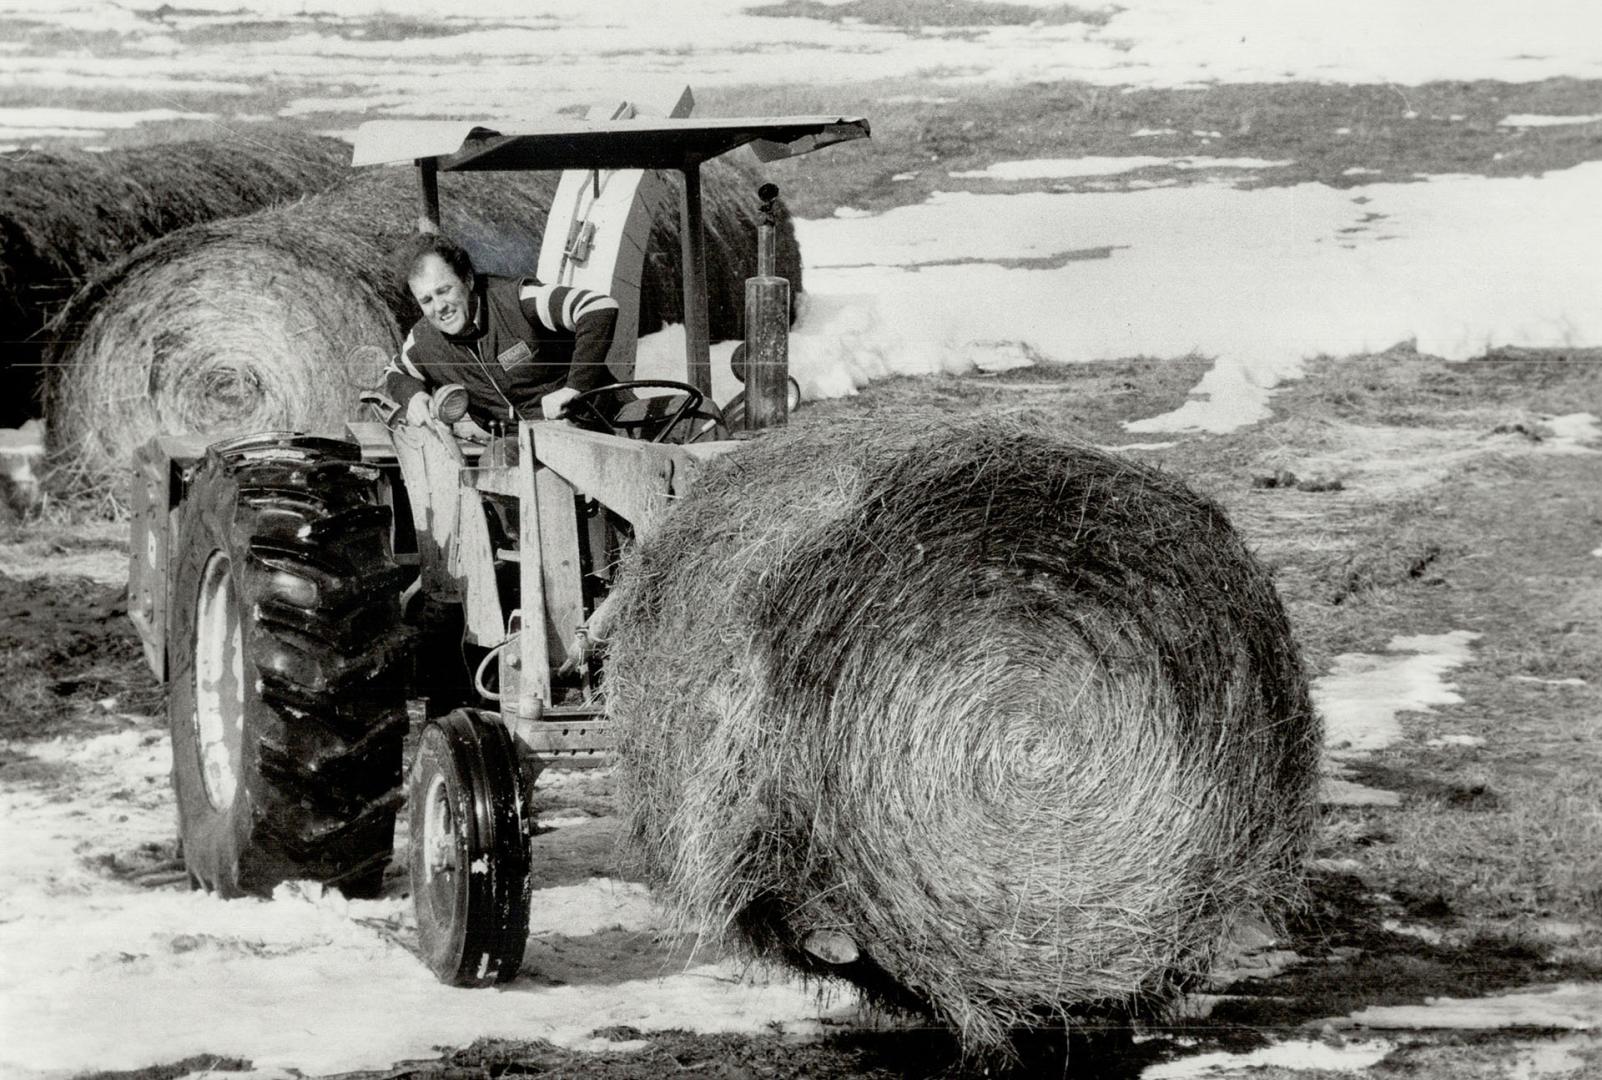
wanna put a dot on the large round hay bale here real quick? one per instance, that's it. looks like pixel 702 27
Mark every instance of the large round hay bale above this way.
pixel 62 215
pixel 278 319
pixel 1021 719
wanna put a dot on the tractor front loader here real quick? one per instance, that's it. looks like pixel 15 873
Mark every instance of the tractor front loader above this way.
pixel 297 592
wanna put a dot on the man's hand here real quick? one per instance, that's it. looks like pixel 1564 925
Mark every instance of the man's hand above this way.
pixel 466 428
pixel 417 409
pixel 551 404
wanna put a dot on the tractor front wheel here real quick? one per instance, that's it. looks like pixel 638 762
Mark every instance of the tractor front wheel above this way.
pixel 469 851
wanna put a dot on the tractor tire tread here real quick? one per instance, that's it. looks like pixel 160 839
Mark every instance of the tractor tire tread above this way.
pixel 324 710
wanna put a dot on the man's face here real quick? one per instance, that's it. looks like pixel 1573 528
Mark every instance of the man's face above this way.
pixel 446 300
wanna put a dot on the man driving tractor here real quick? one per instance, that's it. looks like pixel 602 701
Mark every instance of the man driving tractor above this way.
pixel 519 348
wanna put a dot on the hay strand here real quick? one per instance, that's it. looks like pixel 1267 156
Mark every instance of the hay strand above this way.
pixel 1020 719
pixel 62 215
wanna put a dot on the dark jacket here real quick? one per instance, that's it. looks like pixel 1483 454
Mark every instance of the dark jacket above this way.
pixel 527 340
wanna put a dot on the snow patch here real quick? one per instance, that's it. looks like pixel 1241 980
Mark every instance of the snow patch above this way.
pixel 1294 1054
pixel 96 969
pixel 1061 168
pixel 1572 1006
pixel 1363 693
pixel 1536 120
pixel 1426 934
pixel 1338 791
pixel 1172 272
pixel 1455 740
pixel 43 119
pixel 1550 1058
pixel 597 904
pixel 1573 432
pixel 1058 168
pixel 104 567
pixel 573 53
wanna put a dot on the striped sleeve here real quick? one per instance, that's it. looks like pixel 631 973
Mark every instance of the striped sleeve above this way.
pixel 591 317
pixel 562 307
pixel 402 377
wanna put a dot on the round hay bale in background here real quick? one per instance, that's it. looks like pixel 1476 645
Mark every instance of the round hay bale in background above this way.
pixel 62 215
pixel 1021 719
pixel 278 319
pixel 271 321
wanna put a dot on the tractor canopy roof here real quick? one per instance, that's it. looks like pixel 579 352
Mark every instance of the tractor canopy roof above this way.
pixel 557 143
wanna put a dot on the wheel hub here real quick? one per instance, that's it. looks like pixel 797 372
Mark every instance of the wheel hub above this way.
pixel 439 830
pixel 219 682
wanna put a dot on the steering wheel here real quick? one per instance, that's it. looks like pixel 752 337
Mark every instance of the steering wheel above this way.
pixel 586 406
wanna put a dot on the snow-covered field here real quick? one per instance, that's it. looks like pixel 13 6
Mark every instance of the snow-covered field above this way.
pixel 106 975
pixel 96 973
pixel 556 53
pixel 1456 265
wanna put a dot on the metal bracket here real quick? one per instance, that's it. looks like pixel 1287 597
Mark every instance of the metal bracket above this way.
pixel 580 241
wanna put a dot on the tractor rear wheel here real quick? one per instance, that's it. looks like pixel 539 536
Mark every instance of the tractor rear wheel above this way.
pixel 288 663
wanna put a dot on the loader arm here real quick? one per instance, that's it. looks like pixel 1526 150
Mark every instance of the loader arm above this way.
pixel 635 480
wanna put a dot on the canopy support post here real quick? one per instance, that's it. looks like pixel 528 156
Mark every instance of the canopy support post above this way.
pixel 428 196
pixel 692 246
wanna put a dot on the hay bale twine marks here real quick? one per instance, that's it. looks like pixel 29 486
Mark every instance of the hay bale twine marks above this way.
pixel 1021 720
pixel 62 215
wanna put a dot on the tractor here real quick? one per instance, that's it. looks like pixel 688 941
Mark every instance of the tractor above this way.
pixel 297 593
